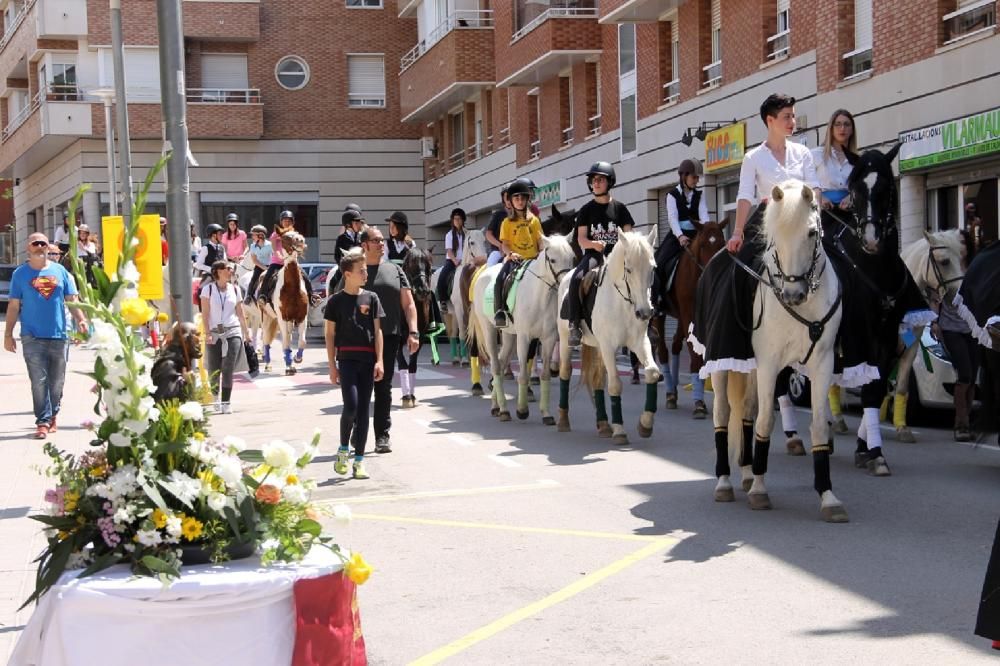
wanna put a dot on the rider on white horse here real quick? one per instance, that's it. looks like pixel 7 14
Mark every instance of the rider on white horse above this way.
pixel 521 236
pixel 597 227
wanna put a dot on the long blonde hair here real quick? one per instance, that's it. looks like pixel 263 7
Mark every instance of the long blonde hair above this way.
pixel 851 151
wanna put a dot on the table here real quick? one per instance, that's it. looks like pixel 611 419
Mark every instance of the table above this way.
pixel 232 613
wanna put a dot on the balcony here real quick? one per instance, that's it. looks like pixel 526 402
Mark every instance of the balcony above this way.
pixel 548 44
pixel 451 63
pixel 712 73
pixel 778 45
pixel 636 11
pixel 62 19
pixel 594 126
pixel 54 118
pixel 19 41
pixel 671 91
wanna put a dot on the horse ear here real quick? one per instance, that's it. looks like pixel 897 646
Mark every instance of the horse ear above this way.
pixel 545 242
pixel 891 155
pixel 777 194
pixel 651 238
pixel 927 236
pixel 697 225
pixel 807 193
pixel 724 224
pixel 556 215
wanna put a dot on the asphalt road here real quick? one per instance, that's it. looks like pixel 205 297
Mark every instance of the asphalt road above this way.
pixel 498 543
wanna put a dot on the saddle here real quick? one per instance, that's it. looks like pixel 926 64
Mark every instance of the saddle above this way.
pixel 508 291
pixel 266 286
pixel 588 296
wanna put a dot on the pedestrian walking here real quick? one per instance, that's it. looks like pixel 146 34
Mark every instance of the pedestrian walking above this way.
pixel 260 253
pixel 521 236
pixel 389 282
pixel 225 329
pixel 235 239
pixel 354 350
pixel 39 291
pixel 195 243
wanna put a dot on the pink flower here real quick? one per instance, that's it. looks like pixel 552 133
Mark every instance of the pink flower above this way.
pixel 87 425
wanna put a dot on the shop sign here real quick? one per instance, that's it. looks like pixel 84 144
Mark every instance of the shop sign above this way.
pixel 548 194
pixel 724 147
pixel 972 136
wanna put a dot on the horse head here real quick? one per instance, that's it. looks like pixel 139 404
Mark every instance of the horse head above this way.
pixel 563 224
pixel 935 262
pixel 873 195
pixel 792 230
pixel 708 241
pixel 559 257
pixel 294 244
pixel 417 266
pixel 630 267
pixel 475 246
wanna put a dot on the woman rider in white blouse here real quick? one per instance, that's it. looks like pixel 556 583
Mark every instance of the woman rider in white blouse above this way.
pixel 835 160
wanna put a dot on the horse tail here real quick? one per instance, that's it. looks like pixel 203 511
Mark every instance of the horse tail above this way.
pixel 591 368
pixel 292 299
pixel 471 334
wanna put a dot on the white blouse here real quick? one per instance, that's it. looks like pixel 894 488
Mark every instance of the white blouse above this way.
pixel 447 245
pixel 760 171
pixel 832 171
pixel 673 216
pixel 222 306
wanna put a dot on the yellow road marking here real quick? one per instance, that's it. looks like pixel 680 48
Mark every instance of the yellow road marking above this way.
pixel 588 581
pixel 542 484
pixel 512 528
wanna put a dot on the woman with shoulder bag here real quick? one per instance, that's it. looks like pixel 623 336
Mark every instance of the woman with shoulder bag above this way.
pixel 224 327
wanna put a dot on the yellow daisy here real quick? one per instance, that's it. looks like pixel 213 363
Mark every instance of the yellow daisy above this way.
pixel 191 528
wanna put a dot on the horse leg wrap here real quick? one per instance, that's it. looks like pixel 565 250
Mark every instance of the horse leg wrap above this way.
pixel 463 348
pixel 563 394
pixel 821 472
pixel 435 356
pixel 474 369
pixel 788 420
pixel 650 405
pixel 616 409
pixel 546 392
pixel 722 452
pixel 760 451
pixel 834 397
pixel 602 410
pixel 454 347
pixel 288 357
pixel 746 448
pixel 522 397
pixel 871 420
pixel 899 410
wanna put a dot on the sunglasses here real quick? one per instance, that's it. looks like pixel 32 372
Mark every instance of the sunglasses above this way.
pixel 55 254
pixel 380 241
pixel 39 243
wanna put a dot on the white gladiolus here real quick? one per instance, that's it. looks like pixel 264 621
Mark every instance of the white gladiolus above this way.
pixel 229 469
pixel 295 494
pixel 192 411
pixel 217 502
pixel 119 439
pixel 279 454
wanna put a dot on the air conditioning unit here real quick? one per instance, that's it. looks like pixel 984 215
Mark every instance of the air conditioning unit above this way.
pixel 427 148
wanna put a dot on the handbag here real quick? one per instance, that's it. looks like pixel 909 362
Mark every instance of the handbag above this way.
pixel 253 366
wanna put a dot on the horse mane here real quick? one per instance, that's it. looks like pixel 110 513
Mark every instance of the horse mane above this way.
pixel 467 257
pixel 787 211
pixel 629 245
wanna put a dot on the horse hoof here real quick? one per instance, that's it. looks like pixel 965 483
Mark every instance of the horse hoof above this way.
pixel 563 424
pixel 535 381
pixel 834 514
pixel 759 501
pixel 879 467
pixel 795 446
pixel 644 432
pixel 671 401
pixel 477 389
pixel 904 434
pixel 548 420
pixel 604 429
pixel 456 362
pixel 747 484
pixel 504 416
pixel 700 410
pixel 620 440
pixel 522 415
pixel 861 459
pixel 725 495
pixel 494 411
pixel 840 425
pixel 267 367
pixel 465 362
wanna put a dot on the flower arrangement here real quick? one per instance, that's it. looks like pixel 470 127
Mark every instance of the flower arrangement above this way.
pixel 155 487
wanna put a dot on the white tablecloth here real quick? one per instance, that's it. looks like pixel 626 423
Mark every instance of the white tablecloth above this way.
pixel 232 613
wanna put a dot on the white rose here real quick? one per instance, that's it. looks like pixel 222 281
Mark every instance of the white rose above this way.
pixel 229 469
pixel 279 454
pixel 149 537
pixel 192 411
pixel 294 494
pixel 234 444
pixel 174 526
pixel 217 502
pixel 119 439
pixel 342 514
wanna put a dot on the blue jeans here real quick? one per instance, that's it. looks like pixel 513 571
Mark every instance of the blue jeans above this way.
pixel 46 360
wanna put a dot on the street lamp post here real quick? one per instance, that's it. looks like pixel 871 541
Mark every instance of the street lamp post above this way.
pixel 107 95
pixel 121 108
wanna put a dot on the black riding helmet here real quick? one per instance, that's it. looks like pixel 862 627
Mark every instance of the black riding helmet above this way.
pixel 459 212
pixel 603 169
pixel 213 229
pixel 689 166
pixel 522 185
pixel 350 216
pixel 400 220
pixel 352 206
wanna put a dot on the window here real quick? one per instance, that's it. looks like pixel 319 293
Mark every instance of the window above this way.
pixel 628 126
pixel 626 48
pixel 859 60
pixel 251 213
pixel 778 43
pixel 369 4
pixel 593 81
pixel 292 73
pixel 366 76
pixel 534 123
pixel 970 17
pixel 669 39
pixel 627 87
pixel 713 70
pixel 456 129
pixel 566 109
pixel 142 73
pixel 223 79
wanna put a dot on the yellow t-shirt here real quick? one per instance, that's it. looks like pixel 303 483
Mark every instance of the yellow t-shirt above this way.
pixel 522 235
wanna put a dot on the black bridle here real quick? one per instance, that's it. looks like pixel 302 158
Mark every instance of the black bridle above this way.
pixel 556 275
pixel 932 264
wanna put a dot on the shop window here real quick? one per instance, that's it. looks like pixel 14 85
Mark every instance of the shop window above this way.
pixel 306 219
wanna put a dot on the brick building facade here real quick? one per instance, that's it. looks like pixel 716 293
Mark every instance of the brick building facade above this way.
pixel 327 133
pixel 566 74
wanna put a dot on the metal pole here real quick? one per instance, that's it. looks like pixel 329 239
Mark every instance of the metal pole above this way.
pixel 171 37
pixel 110 140
pixel 121 109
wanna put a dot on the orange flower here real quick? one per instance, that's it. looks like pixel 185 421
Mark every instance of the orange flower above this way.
pixel 268 494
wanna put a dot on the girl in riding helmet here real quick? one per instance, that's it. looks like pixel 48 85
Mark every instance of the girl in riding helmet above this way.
pixel 211 251
pixel 353 220
pixel 521 238
pixel 260 253
pixel 399 238
pixel 454 244
pixel 286 223
pixel 235 239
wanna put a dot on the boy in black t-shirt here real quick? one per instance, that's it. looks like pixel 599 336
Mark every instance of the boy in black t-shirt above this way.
pixel 354 352
pixel 597 227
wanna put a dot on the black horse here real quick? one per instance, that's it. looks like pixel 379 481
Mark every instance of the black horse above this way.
pixel 417 266
pixel 879 293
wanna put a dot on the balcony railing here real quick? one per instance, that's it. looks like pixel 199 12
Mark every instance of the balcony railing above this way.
pixel 594 125
pixel 503 138
pixel 554 13
pixel 970 20
pixel 713 74
pixel 21 116
pixel 63 92
pixel 671 91
pixel 223 95
pixel 535 150
pixel 567 137
pixel 9 30
pixel 457 160
pixel 857 62
pixel 459 19
pixel 777 45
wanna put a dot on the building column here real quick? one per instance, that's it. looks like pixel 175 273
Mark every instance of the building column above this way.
pixel 91 206
pixel 912 208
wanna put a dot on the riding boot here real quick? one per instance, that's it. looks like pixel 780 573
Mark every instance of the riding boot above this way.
pixel 962 405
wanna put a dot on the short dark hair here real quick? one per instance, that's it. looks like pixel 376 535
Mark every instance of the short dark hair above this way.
pixel 218 266
pixel 773 105
pixel 366 233
pixel 351 258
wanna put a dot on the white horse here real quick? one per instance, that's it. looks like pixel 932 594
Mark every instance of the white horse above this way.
pixel 799 297
pixel 289 303
pixel 621 314
pixel 535 313
pixel 935 262
pixel 255 321
pixel 474 254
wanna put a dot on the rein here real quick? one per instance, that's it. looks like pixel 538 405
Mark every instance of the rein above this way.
pixel 888 300
pixel 556 276
pixel 932 263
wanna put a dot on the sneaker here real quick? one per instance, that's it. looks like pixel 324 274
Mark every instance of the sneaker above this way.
pixel 359 471
pixel 41 431
pixel 500 319
pixel 382 444
pixel 575 335
pixel 340 466
pixel 226 408
pixel 52 424
pixel 217 407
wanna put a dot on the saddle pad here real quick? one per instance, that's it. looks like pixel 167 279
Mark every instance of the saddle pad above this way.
pixel 488 298
pixel 515 280
pixel 475 276
pixel 489 304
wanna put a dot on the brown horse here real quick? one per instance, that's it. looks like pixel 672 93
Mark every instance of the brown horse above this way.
pixel 677 300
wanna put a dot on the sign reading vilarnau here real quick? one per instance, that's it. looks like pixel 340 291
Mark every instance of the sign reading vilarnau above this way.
pixel 972 136
pixel 548 194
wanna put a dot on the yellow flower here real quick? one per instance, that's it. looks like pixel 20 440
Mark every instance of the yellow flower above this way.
pixel 163 317
pixel 199 436
pixel 136 311
pixel 291 480
pixel 191 528
pixel 159 519
pixel 69 501
pixel 357 569
pixel 99 470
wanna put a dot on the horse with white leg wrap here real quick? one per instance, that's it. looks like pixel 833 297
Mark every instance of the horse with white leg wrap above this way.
pixel 289 303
